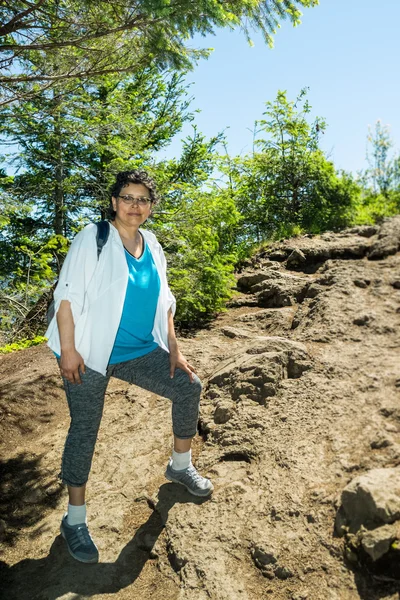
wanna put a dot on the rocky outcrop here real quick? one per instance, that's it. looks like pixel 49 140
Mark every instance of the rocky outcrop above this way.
pixel 373 242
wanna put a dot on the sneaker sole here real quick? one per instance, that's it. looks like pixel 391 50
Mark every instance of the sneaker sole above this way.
pixel 209 491
pixel 87 561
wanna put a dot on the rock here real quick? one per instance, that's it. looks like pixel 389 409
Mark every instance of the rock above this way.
pixel 372 499
pixel 295 259
pixel 233 332
pixel 275 343
pixel 34 496
pixel 381 441
pixel 311 517
pixel 388 241
pixel 223 413
pixel 361 283
pixel 266 264
pixel 282 292
pixel 362 320
pixel 303 595
pixel 54 488
pixel 270 319
pixel 364 230
pixel 248 280
pixel 350 249
pixel 242 301
pixel 274 288
pixel 283 573
pixel 279 255
pixel 377 542
pixel 264 554
pixel 213 393
pixel 313 290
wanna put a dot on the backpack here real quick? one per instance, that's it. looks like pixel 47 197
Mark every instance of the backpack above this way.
pixel 103 230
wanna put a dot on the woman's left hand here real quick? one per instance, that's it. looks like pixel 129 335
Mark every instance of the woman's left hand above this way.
pixel 177 359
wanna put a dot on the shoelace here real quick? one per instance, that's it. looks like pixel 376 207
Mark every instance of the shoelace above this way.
pixel 193 474
pixel 83 535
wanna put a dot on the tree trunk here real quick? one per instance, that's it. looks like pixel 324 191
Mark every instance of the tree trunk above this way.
pixel 59 214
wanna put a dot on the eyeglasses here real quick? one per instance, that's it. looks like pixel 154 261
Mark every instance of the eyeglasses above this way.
pixel 141 200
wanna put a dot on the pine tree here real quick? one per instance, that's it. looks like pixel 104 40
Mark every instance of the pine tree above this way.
pixel 47 43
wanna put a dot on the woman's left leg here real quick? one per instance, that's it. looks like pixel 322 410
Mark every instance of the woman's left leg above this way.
pixel 152 372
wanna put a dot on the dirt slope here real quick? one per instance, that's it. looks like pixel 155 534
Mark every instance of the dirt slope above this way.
pixel 301 394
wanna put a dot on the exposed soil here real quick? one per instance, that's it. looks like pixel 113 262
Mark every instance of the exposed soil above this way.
pixel 301 394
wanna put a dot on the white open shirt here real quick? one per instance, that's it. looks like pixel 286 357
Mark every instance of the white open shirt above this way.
pixel 96 290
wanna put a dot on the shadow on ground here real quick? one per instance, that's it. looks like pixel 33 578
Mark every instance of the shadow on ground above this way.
pixel 24 493
pixel 58 573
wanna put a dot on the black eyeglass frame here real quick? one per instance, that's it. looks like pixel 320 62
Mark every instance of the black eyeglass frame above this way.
pixel 132 200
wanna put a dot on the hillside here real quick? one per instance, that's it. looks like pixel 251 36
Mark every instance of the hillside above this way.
pixel 301 396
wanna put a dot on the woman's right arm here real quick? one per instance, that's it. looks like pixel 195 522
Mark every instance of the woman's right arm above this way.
pixel 70 361
pixel 75 275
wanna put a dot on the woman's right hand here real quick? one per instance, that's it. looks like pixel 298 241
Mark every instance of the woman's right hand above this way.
pixel 71 362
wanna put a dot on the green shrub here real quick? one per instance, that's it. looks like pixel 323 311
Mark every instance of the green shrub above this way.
pixel 39 339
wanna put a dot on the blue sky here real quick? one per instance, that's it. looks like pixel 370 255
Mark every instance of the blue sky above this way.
pixel 345 51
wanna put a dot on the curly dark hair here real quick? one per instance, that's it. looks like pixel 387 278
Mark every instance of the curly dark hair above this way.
pixel 124 178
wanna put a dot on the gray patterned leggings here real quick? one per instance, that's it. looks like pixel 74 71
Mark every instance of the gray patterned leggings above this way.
pixel 86 401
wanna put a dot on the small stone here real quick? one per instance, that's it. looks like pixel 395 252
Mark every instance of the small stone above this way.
pixel 283 573
pixel 296 258
pixel 303 595
pixel 233 332
pixel 362 320
pixel 213 394
pixel 222 414
pixel 33 496
pixel 361 283
pixel 381 441
pixel 377 542
pixel 263 554
pixel 311 518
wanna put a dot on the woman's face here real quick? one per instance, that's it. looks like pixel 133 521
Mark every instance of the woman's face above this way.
pixel 132 212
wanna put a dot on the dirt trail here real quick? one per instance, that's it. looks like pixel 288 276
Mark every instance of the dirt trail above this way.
pixel 301 394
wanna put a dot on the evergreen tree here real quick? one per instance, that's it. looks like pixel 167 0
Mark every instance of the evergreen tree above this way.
pixel 46 43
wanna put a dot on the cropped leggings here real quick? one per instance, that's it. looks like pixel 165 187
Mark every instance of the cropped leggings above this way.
pixel 86 400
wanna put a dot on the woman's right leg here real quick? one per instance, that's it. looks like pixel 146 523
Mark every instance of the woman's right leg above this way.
pixel 85 403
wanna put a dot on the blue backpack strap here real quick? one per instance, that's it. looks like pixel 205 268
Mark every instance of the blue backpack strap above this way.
pixel 103 230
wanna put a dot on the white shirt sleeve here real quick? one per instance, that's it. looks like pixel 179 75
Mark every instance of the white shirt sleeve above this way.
pixel 77 271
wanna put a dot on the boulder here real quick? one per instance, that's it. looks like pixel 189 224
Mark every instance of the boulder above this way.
pixel 258 371
pixel 371 500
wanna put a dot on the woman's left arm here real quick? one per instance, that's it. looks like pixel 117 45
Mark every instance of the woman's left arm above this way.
pixel 176 357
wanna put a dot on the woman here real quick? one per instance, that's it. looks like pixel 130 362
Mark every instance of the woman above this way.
pixel 114 317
